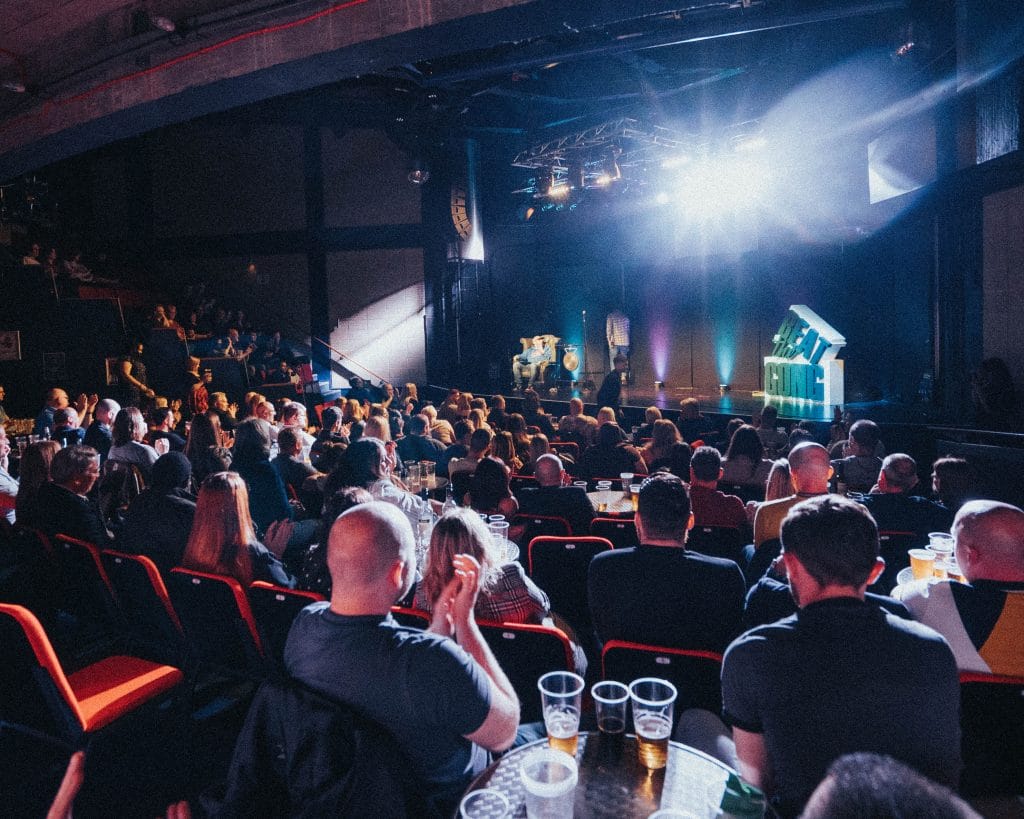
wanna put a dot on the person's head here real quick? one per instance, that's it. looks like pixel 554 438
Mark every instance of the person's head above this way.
pixel 222 529
pixel 193 364
pixel 480 441
pixel 56 398
pixel 953 481
pixel 663 510
pixel 203 432
pixel 330 420
pixel 219 401
pixel 478 418
pixel 733 425
pixel 610 436
pixel 76 468
pixel 498 402
pixel 293 414
pixel 809 468
pixel 575 406
pixel 679 455
pixel 769 415
pixel 351 411
pixel 705 466
pixel 265 411
pixel 377 427
pixel 779 484
pixel 872 786
pixel 3 392
pixel 66 418
pixel 129 425
pixel 288 442
pixel 172 470
pixel 745 442
pixel 418 425
pixel 162 418
pixel 798 435
pixel 898 473
pixel 463 431
pixel 531 401
pixel 489 484
pixel 689 409
pixel 106 411
pixel 989 538
pixel 620 362
pixel 430 411
pixel 459 532
pixel 364 462
pixel 462 405
pixel 539 445
pixel 34 469
pixel 830 547
pixel 410 391
pixel 651 414
pixel 517 426
pixel 479 403
pixel 664 435
pixel 863 438
pixel 252 442
pixel 371 555
pixel 548 470
pixel 605 415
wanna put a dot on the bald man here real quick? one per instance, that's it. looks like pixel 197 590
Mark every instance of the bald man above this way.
pixel 809 470
pixel 551 498
pixel 983 619
pixel 896 505
pixel 440 693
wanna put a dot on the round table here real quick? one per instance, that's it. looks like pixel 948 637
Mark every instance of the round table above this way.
pixel 615 501
pixel 612 782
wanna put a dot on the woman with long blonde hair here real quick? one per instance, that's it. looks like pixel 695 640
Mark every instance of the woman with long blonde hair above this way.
pixel 223 538
pixel 664 434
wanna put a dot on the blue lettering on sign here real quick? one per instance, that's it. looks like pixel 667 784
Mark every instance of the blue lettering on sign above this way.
pixel 795 380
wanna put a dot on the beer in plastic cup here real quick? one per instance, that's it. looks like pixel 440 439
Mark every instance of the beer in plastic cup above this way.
pixel 560 695
pixel 653 700
pixel 922 563
pixel 634 495
pixel 549 778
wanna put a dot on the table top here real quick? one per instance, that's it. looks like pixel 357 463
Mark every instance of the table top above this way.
pixel 615 501
pixel 612 782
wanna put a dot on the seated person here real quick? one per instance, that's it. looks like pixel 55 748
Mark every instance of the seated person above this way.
pixel 62 505
pixel 66 430
pixel 551 498
pixel 858 470
pixel 710 506
pixel 610 456
pixel 489 491
pixel 527 363
pixel 896 506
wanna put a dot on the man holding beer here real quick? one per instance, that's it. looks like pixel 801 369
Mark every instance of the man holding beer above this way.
pixel 440 693
pixel 841 675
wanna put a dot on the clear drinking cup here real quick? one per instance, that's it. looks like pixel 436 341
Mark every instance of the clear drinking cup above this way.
pixel 653 700
pixel 922 563
pixel 610 701
pixel 549 778
pixel 487 803
pixel 634 495
pixel 499 534
pixel 560 696
pixel 627 479
pixel 428 470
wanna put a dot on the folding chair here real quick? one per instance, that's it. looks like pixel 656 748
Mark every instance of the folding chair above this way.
pixel 37 697
pixel 218 621
pixel 621 533
pixel 525 652
pixel 992 734
pixel 695 673
pixel 717 541
pixel 275 608
pixel 525 528
pixel 154 630
pixel 559 566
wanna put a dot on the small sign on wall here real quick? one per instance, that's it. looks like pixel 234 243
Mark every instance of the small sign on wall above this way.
pixel 10 345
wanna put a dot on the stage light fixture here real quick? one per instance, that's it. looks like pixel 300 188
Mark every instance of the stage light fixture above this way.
pixel 659 385
pixel 724 388
pixel 165 24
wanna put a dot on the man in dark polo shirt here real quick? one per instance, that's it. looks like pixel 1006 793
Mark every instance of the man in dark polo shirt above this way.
pixel 841 675
pixel 712 507
pixel 551 498
pixel 896 506
pixel 658 592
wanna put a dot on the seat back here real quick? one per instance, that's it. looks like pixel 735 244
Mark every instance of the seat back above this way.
pixel 525 652
pixel 30 576
pixel 621 532
pixel 892 548
pixel 120 483
pixel 570 448
pixel 717 541
pixel 275 608
pixel 412 618
pixel 218 622
pixel 154 630
pixel 992 734
pixel 525 528
pixel 91 622
pixel 559 566
pixel 518 482
pixel 762 558
pixel 34 691
pixel 695 673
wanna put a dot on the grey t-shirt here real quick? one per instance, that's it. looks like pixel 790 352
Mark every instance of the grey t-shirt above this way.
pixel 842 676
pixel 423 688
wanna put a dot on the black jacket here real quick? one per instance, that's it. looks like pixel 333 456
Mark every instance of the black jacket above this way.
pixel 157 525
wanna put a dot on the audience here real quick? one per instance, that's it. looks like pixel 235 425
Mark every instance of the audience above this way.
pixel 62 505
pixel 610 456
pixel 8 483
pixel 743 463
pixel 858 471
pixel 809 473
pixel 205 448
pixel 503 448
pixel 126 442
pixel 953 482
pixel 551 498
pixel 658 451
pixel 710 506
pixel 99 435
pixel 774 440
pixel 34 472
pixel 417 445
pixel 489 491
pixel 895 506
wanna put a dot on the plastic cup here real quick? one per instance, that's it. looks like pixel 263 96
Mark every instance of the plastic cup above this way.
pixel 627 479
pixel 549 778
pixel 487 803
pixel 499 534
pixel 604 486
pixel 560 694
pixel 581 484
pixel 653 700
pixel 940 539
pixel 922 563
pixel 610 701
pixel 634 495
pixel 428 470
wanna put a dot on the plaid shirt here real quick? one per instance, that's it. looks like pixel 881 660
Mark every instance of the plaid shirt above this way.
pixel 513 598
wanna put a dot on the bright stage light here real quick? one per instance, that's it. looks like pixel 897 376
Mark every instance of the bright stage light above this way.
pixel 662 198
pixel 723 184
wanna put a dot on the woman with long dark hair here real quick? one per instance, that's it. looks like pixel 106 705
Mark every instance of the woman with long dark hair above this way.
pixel 744 462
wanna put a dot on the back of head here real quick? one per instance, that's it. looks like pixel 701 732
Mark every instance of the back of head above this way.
pixel 62 417
pixel 361 463
pixel 459 531
pixel 610 435
pixel 291 412
pixel 548 470
pixel 288 441
pixel 866 434
pixel 652 414
pixel 900 472
pixel 953 479
pixel 128 426
pixel 418 424
pixel 664 434
pixel 539 445
pixel 330 417
pixel 871 786
pixel 706 463
pixel 835 540
pixel 364 544
pixel 994 532
pixel 71 462
pixel 158 416
pixel 377 427
pixel 605 415
pixel 769 415
pixel 746 442
pixel 575 406
pixel 252 441
pixel 480 440
pixel 779 485
pixel 462 429
pixel 664 507
pixel 689 409
pixel 106 410
pixel 172 470
pixel 222 529
pixel 489 484
pixel 809 466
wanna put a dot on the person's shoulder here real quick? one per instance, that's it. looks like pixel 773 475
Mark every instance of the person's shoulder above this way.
pixel 710 563
pixel 760 638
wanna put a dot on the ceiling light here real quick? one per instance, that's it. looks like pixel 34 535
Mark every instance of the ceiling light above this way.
pixel 163 23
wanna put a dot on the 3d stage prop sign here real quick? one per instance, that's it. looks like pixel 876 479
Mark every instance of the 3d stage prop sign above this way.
pixel 803 363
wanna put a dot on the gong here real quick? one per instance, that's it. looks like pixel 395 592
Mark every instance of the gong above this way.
pixel 570 360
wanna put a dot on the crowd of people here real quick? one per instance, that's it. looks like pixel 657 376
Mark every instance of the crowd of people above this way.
pixel 820 660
